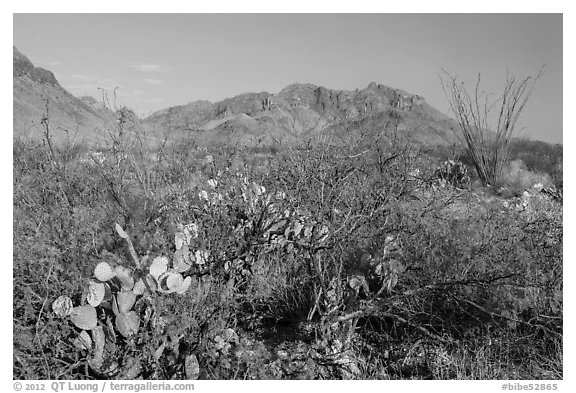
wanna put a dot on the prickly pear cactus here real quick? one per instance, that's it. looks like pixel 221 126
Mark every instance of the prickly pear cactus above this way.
pixel 380 270
pixel 454 173
pixel 111 295
pixel 120 299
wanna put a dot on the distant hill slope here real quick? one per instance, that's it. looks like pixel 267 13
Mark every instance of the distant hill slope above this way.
pixel 36 90
pixel 297 112
pixel 304 110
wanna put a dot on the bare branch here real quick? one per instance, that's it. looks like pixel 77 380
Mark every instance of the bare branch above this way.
pixel 489 147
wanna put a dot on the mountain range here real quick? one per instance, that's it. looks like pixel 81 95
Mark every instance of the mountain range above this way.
pixel 298 112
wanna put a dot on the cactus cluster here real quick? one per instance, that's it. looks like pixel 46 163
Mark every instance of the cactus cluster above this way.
pixel 113 292
pixel 454 173
pixel 110 309
pixel 278 227
pixel 378 271
pixel 282 226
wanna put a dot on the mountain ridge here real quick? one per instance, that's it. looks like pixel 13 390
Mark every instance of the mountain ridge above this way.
pixel 297 112
pixel 305 109
pixel 38 96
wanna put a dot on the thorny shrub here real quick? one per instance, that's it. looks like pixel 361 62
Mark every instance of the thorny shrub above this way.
pixel 346 243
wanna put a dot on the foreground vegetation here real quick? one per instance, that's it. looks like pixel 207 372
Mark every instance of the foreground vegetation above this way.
pixel 365 260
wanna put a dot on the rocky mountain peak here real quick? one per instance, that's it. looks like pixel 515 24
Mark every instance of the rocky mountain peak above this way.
pixel 22 66
pixel 300 110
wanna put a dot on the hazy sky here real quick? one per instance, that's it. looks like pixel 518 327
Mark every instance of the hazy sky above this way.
pixel 161 60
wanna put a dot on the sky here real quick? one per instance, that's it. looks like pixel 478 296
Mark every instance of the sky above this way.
pixel 162 60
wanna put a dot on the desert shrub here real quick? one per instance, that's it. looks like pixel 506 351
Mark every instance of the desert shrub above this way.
pixel 538 156
pixel 56 224
pixel 558 175
pixel 516 178
pixel 488 259
pixel 307 267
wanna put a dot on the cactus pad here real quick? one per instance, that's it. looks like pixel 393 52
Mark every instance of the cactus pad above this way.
pixel 179 240
pixel 84 317
pixel 165 278
pixel 182 259
pixel 139 287
pixel 121 232
pixel 83 341
pixel 174 280
pixel 99 340
pixel 192 367
pixel 125 276
pixel 128 324
pixel 62 306
pixel 104 272
pixel 184 286
pixel 158 267
pixel 125 300
pixel 96 292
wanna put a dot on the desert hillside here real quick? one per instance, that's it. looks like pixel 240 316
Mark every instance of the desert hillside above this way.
pixel 296 113
pixel 37 93
pixel 300 111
